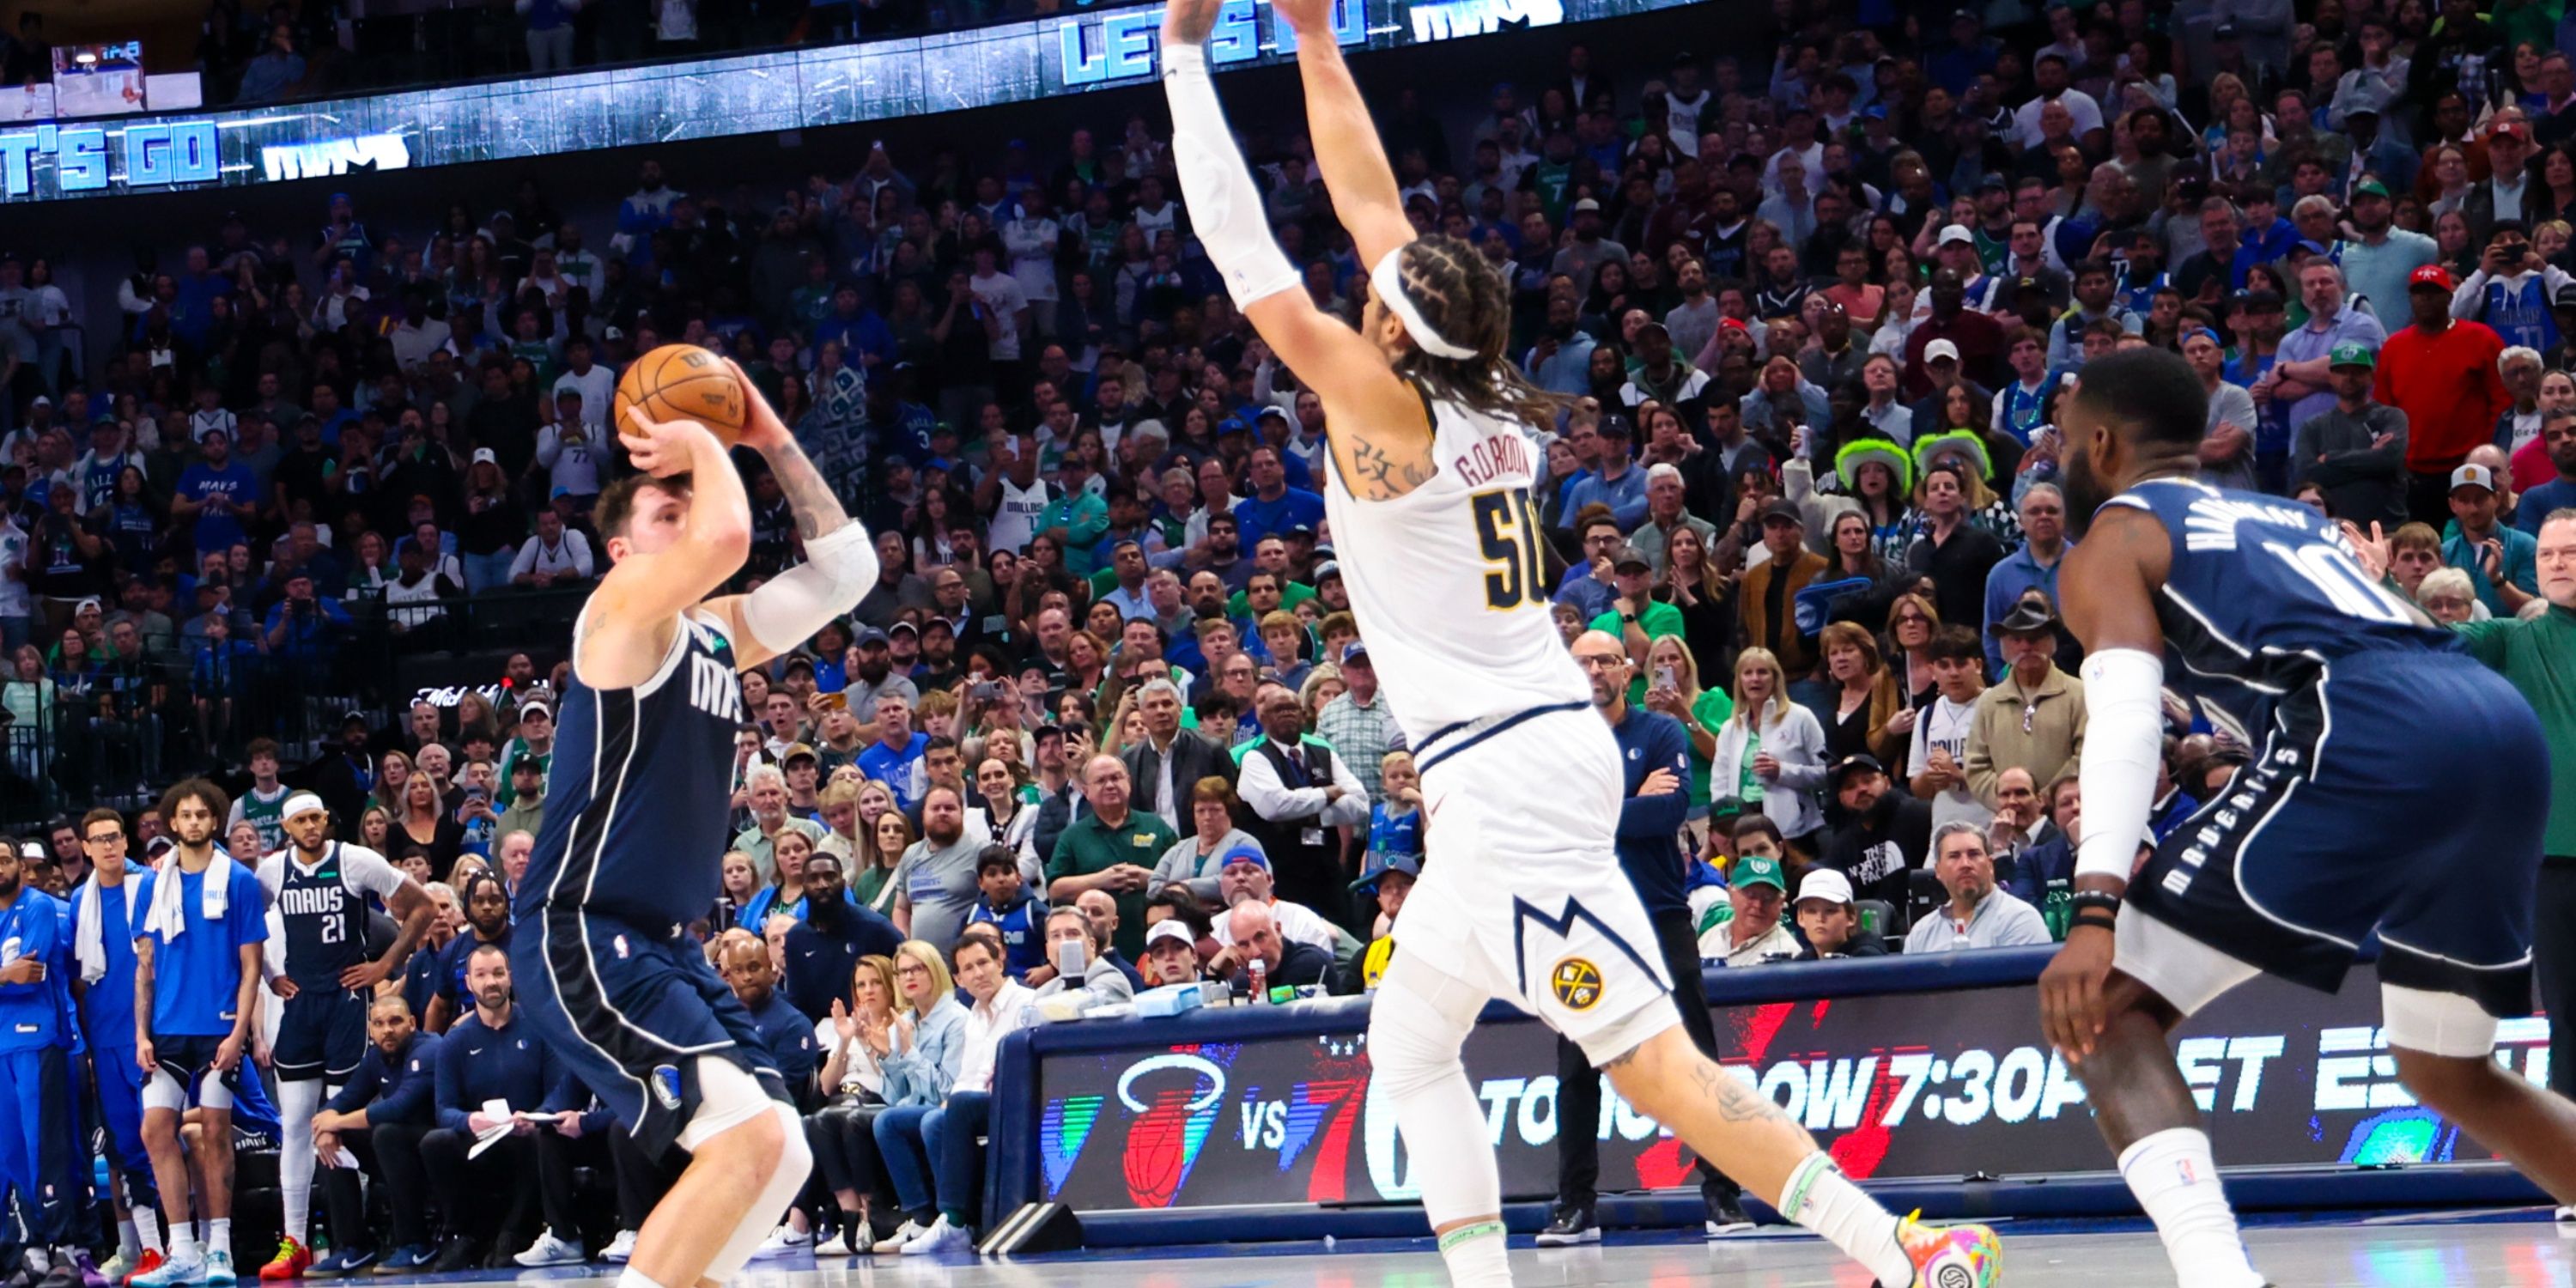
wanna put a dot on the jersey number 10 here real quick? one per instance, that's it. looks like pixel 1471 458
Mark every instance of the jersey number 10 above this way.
pixel 1507 528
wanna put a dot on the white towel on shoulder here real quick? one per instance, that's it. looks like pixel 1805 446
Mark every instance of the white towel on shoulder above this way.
pixel 166 918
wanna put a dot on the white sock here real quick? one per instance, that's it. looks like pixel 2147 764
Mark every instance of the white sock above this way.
pixel 147 1227
pixel 1475 1255
pixel 183 1242
pixel 633 1278
pixel 1822 1199
pixel 128 1245
pixel 219 1235
pixel 2176 1181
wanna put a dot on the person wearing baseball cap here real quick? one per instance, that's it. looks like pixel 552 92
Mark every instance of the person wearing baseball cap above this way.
pixel 2503 562
pixel 1636 617
pixel 1829 920
pixel 2442 374
pixel 2377 263
pixel 2355 449
pixel 1756 890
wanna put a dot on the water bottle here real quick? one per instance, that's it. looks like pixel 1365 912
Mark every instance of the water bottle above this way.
pixel 1753 791
pixel 2057 908
pixel 1260 981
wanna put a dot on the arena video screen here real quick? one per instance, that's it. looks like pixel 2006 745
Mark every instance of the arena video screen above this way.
pixel 1901 1086
pixel 795 89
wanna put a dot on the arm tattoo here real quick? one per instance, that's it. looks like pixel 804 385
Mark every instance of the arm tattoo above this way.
pixel 1379 475
pixel 817 510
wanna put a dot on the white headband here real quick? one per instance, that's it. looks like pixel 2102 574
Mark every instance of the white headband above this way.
pixel 1389 281
pixel 300 802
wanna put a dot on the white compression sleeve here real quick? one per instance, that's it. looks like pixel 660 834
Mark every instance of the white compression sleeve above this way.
pixel 1225 207
pixel 2124 742
pixel 787 609
pixel 296 1103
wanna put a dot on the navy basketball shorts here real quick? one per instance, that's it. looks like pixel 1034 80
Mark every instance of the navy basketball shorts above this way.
pixel 2400 796
pixel 321 1033
pixel 187 1061
pixel 631 1011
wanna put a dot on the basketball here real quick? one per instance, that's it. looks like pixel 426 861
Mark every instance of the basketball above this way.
pixel 683 382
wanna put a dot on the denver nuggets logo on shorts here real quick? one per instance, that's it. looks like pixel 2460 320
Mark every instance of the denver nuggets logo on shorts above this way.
pixel 1577 984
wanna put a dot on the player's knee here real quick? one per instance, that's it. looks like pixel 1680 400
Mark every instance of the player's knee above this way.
pixel 1406 1055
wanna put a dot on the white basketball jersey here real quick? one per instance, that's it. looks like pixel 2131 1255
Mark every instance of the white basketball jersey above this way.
pixel 1449 584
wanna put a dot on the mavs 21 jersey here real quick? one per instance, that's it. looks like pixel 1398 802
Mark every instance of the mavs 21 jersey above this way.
pixel 636 817
pixel 1449 582
pixel 2263 593
pixel 324 909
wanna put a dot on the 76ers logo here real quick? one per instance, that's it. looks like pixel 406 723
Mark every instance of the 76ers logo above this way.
pixel 1576 983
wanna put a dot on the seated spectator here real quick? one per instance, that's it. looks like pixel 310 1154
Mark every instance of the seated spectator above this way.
pixel 829 941
pixel 1101 910
pixel 1828 921
pixel 380 1117
pixel 924 1051
pixel 556 556
pixel 744 963
pixel 767 788
pixel 2047 865
pixel 1386 887
pixel 1751 933
pixel 858 1033
pixel 1171 953
pixel 1007 906
pixel 1885 834
pixel 1077 964
pixel 477 1065
pixel 1195 860
pixel 932 1156
pixel 1284 962
pixel 1980 914
pixel 2502 562
pixel 1245 878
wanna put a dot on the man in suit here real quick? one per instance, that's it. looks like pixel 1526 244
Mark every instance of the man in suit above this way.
pixel 1170 759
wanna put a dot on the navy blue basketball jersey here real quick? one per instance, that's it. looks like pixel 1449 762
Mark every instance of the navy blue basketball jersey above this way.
pixel 325 923
pixel 2263 594
pixel 636 800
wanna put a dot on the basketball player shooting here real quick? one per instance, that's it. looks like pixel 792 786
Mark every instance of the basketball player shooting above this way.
pixel 635 827
pixel 2368 722
pixel 1430 506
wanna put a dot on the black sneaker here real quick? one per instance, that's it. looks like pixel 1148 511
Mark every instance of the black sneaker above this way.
pixel 1572 1225
pixel 1726 1214
pixel 459 1253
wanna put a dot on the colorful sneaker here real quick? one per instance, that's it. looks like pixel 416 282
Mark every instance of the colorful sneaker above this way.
pixel 1951 1256
pixel 291 1261
pixel 91 1275
pixel 116 1269
pixel 150 1260
pixel 219 1268
pixel 173 1272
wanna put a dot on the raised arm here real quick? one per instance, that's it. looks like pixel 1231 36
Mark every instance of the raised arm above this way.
pixel 1347 149
pixel 840 563
pixel 628 624
pixel 1381 438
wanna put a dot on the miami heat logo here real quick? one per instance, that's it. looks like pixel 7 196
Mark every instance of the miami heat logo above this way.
pixel 1577 984
pixel 1170 1128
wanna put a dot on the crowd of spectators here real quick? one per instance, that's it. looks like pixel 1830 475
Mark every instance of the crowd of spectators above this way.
pixel 1106 723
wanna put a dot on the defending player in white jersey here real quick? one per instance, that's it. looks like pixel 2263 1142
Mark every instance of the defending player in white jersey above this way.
pixel 1439 541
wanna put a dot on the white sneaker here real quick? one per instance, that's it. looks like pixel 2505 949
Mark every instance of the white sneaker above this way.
pixel 903 1234
pixel 619 1248
pixel 550 1251
pixel 836 1246
pixel 785 1241
pixel 2567 1215
pixel 940 1237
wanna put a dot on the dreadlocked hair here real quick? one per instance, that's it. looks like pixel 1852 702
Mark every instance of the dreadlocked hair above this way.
pixel 1467 302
